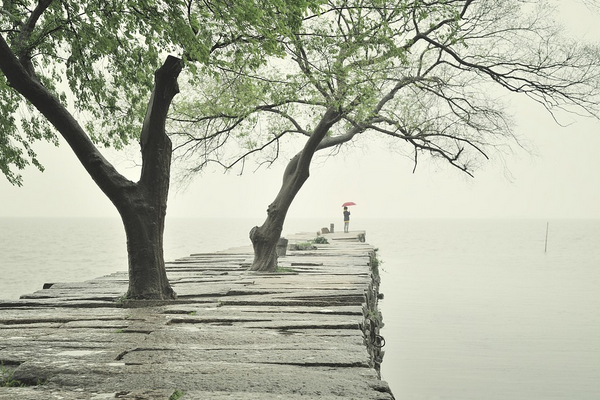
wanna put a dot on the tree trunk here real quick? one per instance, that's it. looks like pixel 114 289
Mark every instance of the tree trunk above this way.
pixel 143 209
pixel 264 241
pixel 144 227
pixel 264 238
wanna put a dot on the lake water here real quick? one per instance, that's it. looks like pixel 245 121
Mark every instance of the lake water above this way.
pixel 474 309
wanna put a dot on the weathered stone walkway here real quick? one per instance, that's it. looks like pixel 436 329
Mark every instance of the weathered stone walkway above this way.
pixel 310 332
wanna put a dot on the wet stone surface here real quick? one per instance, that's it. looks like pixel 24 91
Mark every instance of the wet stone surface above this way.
pixel 234 334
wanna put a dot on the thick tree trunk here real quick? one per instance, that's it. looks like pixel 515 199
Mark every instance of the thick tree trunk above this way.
pixel 144 227
pixel 264 241
pixel 264 238
pixel 143 209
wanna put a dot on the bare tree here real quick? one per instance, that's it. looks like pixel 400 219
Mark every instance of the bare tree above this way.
pixel 429 74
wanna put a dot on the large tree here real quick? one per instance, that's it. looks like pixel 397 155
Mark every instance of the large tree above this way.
pixel 429 74
pixel 84 69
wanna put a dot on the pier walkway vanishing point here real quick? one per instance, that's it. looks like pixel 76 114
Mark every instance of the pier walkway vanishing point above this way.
pixel 310 331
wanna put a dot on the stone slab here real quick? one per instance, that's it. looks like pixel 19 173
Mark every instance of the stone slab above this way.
pixel 231 334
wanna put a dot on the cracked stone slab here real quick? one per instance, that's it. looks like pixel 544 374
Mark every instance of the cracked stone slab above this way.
pixel 231 334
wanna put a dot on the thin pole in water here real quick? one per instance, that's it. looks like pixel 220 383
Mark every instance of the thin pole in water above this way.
pixel 546 243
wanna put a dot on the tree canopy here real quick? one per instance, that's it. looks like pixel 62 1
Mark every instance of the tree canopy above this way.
pixel 430 74
pixel 98 58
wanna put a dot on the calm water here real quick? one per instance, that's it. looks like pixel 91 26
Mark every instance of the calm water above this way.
pixel 473 309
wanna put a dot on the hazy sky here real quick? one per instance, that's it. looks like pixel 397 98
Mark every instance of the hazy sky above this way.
pixel 561 179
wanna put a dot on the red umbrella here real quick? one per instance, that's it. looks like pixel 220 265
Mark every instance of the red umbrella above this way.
pixel 348 203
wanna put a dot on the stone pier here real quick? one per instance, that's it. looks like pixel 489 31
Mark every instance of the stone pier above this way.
pixel 308 331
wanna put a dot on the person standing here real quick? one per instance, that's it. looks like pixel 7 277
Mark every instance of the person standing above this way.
pixel 346 219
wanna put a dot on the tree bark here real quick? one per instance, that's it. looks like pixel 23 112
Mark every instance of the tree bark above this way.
pixel 143 210
pixel 144 228
pixel 264 238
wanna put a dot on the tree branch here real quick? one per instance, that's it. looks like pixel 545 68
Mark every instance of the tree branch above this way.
pixel 29 87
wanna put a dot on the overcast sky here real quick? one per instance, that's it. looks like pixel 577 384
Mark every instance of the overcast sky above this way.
pixel 559 179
